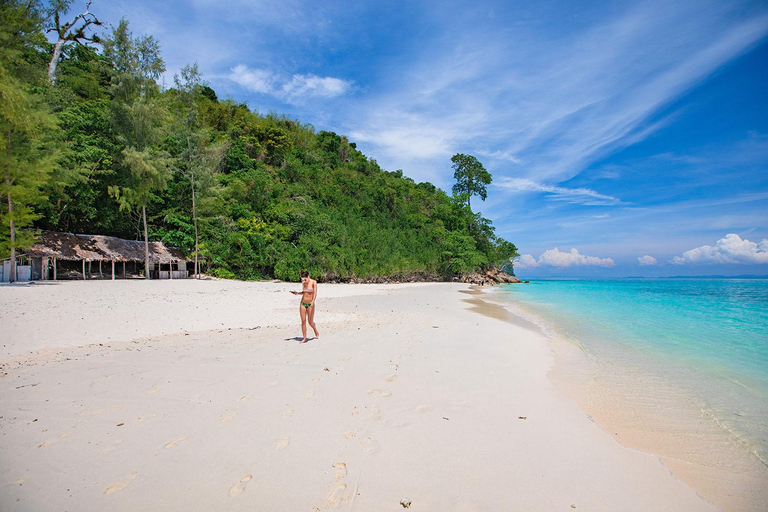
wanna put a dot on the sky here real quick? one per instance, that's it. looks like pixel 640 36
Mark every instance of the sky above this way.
pixel 624 138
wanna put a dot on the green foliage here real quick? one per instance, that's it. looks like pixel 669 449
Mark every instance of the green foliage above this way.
pixel 254 196
pixel 471 177
pixel 29 136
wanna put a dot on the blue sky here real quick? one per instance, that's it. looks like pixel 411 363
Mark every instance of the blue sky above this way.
pixel 624 138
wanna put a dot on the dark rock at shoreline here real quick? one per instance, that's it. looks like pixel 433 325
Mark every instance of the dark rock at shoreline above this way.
pixel 487 278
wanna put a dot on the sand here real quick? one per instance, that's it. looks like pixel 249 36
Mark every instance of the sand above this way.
pixel 196 395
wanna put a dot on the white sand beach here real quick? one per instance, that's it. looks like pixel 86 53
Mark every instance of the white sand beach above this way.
pixel 196 396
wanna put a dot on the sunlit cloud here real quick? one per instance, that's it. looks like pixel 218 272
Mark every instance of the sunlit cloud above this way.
pixel 646 260
pixel 556 258
pixel 295 89
pixel 730 249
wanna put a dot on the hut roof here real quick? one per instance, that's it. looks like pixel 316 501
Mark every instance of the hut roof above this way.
pixel 68 246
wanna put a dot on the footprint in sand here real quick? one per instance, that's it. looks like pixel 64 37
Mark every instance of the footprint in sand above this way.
pixel 338 495
pixel 283 443
pixel 316 379
pixel 47 443
pixel 341 470
pixel 153 390
pixel 309 394
pixel 245 397
pixel 383 392
pixel 374 413
pixel 122 484
pixel 369 445
pixel 287 414
pixel 228 417
pixel 97 413
pixel 391 377
pixel 349 434
pixel 423 407
pixel 346 358
pixel 171 444
pixel 238 487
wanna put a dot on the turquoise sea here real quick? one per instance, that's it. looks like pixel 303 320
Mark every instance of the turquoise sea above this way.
pixel 707 337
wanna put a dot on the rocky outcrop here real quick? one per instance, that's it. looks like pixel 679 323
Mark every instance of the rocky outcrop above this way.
pixel 487 278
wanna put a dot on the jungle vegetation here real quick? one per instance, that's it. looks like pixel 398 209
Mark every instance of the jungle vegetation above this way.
pixel 91 143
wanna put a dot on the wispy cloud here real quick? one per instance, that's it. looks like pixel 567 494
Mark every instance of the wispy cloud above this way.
pixel 296 89
pixel 557 102
pixel 582 196
pixel 730 249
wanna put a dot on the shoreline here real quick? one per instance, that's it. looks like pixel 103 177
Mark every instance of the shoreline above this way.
pixel 408 393
pixel 646 413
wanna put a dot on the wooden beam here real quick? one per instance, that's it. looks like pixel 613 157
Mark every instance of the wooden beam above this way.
pixel 113 270
pixel 54 269
pixel 83 270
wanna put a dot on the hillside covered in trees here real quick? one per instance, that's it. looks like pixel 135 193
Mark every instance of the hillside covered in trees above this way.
pixel 91 143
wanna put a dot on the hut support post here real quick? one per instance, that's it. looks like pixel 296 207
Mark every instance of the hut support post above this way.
pixel 123 269
pixel 101 274
pixel 54 269
pixel 83 269
pixel 170 270
pixel 113 270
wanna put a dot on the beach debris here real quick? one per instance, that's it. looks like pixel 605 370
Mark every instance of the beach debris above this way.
pixel 435 327
pixel 326 369
pixel 120 424
pixel 405 502
pixel 445 418
pixel 522 417
pixel 572 505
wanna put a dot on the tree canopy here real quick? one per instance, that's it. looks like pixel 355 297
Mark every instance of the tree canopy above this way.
pixel 471 177
pixel 107 150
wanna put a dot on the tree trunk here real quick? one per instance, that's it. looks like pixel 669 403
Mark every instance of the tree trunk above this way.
pixel 194 221
pixel 55 61
pixel 11 225
pixel 146 243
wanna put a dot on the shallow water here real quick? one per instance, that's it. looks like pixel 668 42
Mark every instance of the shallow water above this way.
pixel 708 338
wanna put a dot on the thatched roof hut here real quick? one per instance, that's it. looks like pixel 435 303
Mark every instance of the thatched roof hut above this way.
pixel 68 246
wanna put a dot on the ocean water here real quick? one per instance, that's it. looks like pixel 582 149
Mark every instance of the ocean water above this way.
pixel 706 337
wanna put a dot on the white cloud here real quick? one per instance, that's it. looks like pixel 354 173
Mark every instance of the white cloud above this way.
pixel 647 260
pixel 556 258
pixel 556 102
pixel 731 249
pixel 525 261
pixel 256 80
pixel 572 195
pixel 294 90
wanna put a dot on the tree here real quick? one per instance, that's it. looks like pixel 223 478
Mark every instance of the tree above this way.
pixel 70 31
pixel 27 129
pixel 198 163
pixel 139 117
pixel 471 177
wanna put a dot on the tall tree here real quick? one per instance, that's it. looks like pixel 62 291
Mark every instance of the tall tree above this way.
pixel 67 32
pixel 198 162
pixel 139 116
pixel 471 177
pixel 27 129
